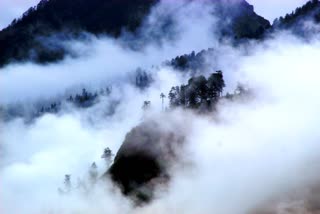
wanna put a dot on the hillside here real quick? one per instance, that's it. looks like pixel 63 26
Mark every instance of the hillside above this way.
pixel 72 16
pixel 295 21
pixel 24 39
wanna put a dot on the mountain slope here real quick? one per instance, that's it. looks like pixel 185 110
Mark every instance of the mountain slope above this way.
pixel 23 39
pixel 49 17
pixel 295 21
pixel 245 23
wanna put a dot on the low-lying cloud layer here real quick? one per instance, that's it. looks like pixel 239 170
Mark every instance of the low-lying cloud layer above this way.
pixel 260 156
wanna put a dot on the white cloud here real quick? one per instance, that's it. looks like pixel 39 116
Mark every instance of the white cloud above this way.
pixel 103 60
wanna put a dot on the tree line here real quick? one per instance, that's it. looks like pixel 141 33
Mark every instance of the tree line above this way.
pixel 193 61
pixel 85 99
pixel 306 9
pixel 200 92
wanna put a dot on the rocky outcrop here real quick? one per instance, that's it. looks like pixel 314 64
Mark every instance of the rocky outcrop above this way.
pixel 145 158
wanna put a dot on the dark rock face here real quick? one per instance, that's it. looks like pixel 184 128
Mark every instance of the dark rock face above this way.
pixel 244 22
pixel 144 159
pixel 133 172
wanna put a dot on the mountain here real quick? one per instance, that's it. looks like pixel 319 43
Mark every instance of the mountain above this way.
pixel 24 38
pixel 244 22
pixel 73 16
pixel 295 21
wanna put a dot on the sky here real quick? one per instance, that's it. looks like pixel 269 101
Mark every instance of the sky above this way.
pixel 11 9
pixel 271 9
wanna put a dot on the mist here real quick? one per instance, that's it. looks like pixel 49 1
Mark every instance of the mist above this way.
pixel 259 152
pixel 253 156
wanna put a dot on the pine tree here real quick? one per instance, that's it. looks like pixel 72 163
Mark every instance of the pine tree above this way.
pixel 93 173
pixel 67 183
pixel 162 96
pixel 107 155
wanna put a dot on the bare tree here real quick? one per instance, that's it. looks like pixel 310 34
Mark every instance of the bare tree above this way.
pixel 162 96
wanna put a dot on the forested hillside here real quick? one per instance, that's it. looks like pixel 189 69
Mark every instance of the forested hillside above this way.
pixel 25 38
pixel 22 39
pixel 309 11
pixel 302 22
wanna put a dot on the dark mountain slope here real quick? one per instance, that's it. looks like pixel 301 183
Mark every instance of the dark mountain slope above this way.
pixel 73 16
pixel 244 22
pixel 23 39
pixel 295 21
pixel 95 16
pixel 144 159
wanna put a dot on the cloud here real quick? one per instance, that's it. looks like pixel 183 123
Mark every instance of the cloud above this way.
pixel 260 155
pixel 103 58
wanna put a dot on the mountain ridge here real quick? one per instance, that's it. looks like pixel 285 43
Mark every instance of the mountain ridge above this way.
pixel 98 17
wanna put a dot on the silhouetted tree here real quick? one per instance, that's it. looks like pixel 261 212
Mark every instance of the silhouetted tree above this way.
pixel 107 155
pixel 143 79
pixel 162 96
pixel 93 173
pixel 174 97
pixel 215 85
pixel 300 12
pixel 146 105
pixel 198 92
pixel 67 183
pixel 182 96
